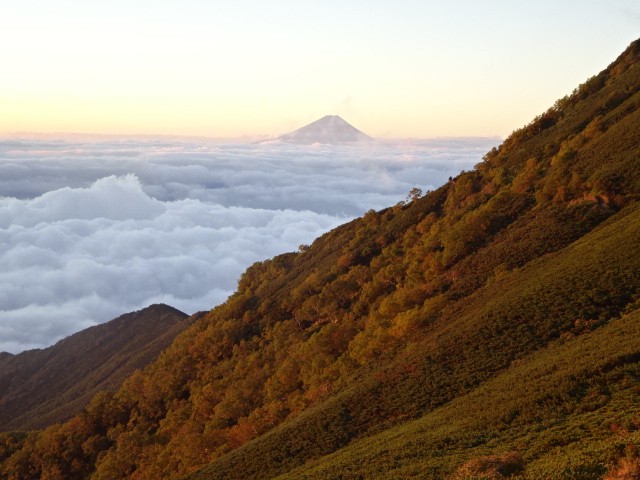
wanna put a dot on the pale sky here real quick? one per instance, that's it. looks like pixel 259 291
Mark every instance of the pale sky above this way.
pixel 246 67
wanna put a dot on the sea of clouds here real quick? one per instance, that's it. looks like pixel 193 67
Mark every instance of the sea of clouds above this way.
pixel 94 228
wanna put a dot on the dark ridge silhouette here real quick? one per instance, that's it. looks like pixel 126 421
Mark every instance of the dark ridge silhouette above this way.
pixel 43 386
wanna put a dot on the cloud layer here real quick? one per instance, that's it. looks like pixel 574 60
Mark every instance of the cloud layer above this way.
pixel 93 229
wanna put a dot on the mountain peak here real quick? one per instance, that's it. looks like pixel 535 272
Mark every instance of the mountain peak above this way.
pixel 330 129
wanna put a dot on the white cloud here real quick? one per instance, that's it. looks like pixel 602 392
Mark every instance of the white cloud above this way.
pixel 93 230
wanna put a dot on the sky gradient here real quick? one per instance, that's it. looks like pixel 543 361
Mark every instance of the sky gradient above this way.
pixel 228 69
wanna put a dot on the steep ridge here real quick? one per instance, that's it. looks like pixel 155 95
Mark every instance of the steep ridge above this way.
pixel 402 316
pixel 487 334
pixel 44 386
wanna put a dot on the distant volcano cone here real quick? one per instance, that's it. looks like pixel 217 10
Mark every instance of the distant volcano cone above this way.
pixel 330 129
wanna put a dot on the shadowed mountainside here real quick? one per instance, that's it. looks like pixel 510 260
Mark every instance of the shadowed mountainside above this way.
pixel 488 329
pixel 44 386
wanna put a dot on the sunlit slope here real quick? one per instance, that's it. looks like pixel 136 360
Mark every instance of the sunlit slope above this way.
pixel 559 298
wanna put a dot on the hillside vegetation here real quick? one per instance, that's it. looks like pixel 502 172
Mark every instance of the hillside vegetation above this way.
pixel 44 386
pixel 484 330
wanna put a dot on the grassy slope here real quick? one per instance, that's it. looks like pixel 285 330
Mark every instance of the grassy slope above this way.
pixel 511 312
pixel 569 410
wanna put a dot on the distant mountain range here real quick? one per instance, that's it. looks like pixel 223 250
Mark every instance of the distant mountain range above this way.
pixel 330 129
pixel 488 329
pixel 43 386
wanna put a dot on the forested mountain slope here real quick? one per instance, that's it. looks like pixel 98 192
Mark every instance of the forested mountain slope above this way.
pixel 44 386
pixel 516 284
pixel 558 301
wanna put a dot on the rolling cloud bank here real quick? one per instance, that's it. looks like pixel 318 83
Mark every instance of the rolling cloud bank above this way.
pixel 91 229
